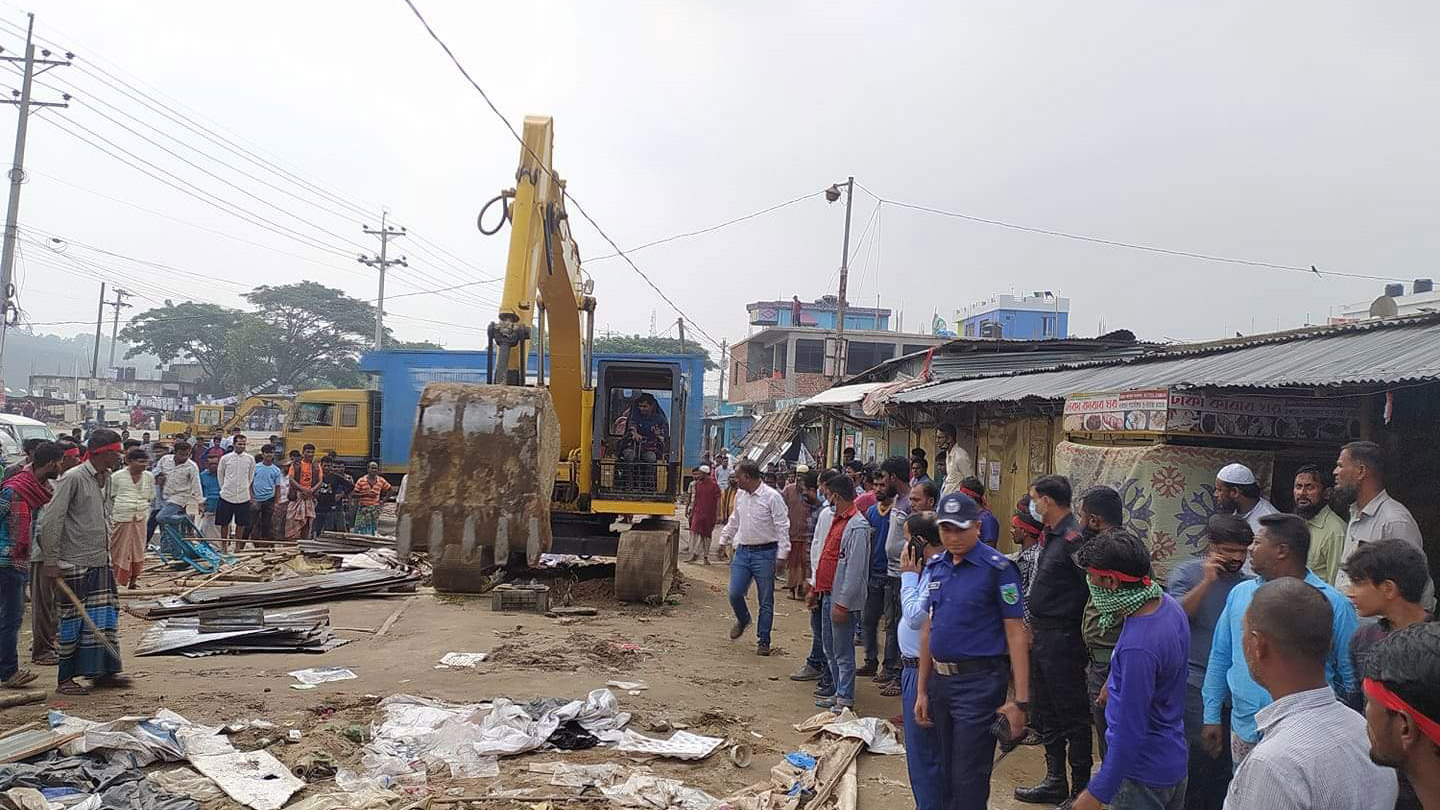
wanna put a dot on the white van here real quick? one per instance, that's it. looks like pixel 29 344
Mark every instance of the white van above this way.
pixel 15 429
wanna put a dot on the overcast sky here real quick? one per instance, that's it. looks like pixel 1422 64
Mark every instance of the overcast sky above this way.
pixel 1289 132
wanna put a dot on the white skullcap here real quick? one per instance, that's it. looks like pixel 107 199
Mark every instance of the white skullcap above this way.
pixel 705 468
pixel 802 468
pixel 1237 474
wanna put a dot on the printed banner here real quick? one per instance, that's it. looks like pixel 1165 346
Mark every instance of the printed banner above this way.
pixel 1168 491
pixel 1161 410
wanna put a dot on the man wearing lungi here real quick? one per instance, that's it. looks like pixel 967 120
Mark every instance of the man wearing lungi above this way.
pixel 75 552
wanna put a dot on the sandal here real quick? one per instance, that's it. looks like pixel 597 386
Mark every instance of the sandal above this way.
pixel 19 679
pixel 46 661
pixel 891 689
pixel 71 688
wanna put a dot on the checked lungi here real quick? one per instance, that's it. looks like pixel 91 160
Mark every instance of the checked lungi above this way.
pixel 81 653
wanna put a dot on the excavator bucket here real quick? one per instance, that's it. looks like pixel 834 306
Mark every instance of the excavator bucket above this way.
pixel 482 471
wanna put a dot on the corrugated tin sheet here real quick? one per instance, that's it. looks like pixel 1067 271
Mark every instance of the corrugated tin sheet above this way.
pixel 1370 353
pixel 843 394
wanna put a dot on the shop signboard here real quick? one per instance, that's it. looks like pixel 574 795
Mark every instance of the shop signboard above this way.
pixel 1158 411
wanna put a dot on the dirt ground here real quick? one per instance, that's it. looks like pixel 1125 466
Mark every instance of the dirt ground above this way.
pixel 696 676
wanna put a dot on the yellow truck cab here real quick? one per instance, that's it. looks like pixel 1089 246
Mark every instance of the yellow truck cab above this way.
pixel 346 420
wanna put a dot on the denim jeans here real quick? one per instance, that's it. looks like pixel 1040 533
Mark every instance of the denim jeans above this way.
pixel 758 567
pixel 922 749
pixel 892 625
pixel 817 644
pixel 12 610
pixel 839 643
pixel 874 609
pixel 1135 796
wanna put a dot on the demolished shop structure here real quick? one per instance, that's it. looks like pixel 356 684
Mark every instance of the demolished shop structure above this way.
pixel 1157 422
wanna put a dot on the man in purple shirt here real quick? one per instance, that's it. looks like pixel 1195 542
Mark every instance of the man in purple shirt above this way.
pixel 1145 760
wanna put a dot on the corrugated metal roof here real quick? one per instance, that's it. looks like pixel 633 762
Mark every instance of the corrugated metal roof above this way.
pixel 843 394
pixel 1369 353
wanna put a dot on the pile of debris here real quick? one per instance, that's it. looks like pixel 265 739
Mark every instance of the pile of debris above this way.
pixel 292 591
pixel 247 629
pixel 342 543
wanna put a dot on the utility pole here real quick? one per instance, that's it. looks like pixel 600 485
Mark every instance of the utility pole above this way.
pixel 724 369
pixel 381 262
pixel 844 277
pixel 680 324
pixel 120 296
pixel 99 324
pixel 22 99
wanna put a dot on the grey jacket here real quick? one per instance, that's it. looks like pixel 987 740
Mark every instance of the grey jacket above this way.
pixel 852 572
pixel 75 525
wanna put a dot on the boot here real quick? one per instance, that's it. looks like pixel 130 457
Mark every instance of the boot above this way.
pixel 1054 788
pixel 1079 780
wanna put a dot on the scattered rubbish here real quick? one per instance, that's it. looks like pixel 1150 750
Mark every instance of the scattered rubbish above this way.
pixel 640 787
pixel 457 660
pixel 366 797
pixel 313 766
pixel 241 725
pixel 740 755
pixel 564 774
pixel 530 598
pixel 757 735
pixel 648 790
pixel 319 675
pixel 292 591
pixel 135 741
pixel 84 783
pixel 354 733
pixel 573 610
pixel 26 744
pixel 681 745
pixel 340 544
pixel 878 735
pixel 235 630
pixel 293 735
pixel 185 782
pixel 302 686
pixel 254 778
pixel 629 686
pixel 22 698
pixel 801 760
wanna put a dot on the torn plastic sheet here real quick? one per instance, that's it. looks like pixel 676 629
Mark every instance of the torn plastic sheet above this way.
pixel 132 740
pixel 318 675
pixel 681 745
pixel 365 798
pixel 254 778
pixel 651 791
pixel 459 660
pixel 878 735
pixel 185 782
pixel 566 775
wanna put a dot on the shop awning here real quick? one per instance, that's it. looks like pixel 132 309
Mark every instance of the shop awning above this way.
pixel 843 394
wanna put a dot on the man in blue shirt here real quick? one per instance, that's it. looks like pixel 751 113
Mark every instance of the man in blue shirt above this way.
pixel 973 640
pixel 1144 764
pixel 262 494
pixel 1279 550
pixel 210 489
pixel 878 514
pixel 922 747
pixel 1202 585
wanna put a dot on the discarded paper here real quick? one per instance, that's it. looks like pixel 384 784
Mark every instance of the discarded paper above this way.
pixel 459 660
pixel 318 675
pixel 681 745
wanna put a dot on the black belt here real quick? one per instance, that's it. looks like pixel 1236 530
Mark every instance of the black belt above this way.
pixel 965 666
pixel 909 662
pixel 1045 623
pixel 760 546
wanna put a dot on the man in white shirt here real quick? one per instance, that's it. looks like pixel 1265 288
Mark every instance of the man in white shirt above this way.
pixel 183 492
pixel 760 530
pixel 958 464
pixel 1374 515
pixel 237 473
pixel 1313 752
pixel 1237 492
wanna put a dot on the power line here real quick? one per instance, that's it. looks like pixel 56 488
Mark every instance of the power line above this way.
pixel 1312 269
pixel 724 224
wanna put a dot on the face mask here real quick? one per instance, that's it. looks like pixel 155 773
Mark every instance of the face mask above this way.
pixel 1035 513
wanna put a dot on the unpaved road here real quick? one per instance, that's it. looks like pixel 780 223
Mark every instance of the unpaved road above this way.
pixel 695 673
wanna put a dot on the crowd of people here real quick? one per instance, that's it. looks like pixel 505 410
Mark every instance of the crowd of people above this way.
pixel 76 517
pixel 1293 664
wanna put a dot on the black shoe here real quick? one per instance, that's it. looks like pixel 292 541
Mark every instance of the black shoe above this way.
pixel 1068 803
pixel 738 629
pixel 825 690
pixel 1051 791
pixel 762 649
pixel 867 670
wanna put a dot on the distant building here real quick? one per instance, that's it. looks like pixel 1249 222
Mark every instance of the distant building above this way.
pixel 781 366
pixel 1422 299
pixel 819 313
pixel 67 387
pixel 1036 316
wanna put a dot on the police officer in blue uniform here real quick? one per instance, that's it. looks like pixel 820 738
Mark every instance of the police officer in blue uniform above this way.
pixel 971 644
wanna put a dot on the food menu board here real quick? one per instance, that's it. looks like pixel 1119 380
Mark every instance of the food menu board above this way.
pixel 1193 412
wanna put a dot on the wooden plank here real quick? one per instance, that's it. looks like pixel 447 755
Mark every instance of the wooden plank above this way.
pixel 394 617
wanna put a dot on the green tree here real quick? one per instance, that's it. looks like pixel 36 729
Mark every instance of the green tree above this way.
pixel 636 344
pixel 187 330
pixel 315 334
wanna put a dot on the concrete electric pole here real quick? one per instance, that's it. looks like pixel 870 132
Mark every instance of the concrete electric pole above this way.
pixel 381 262
pixel 8 307
pixel 680 324
pixel 832 194
pixel 120 296
pixel 99 324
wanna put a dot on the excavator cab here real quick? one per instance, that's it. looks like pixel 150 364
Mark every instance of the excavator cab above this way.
pixel 638 437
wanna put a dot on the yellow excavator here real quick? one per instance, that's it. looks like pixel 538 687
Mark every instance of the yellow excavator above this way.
pixel 556 450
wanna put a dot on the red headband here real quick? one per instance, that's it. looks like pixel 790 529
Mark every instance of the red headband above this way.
pixel 1378 691
pixel 106 448
pixel 1023 526
pixel 1106 572
pixel 72 452
pixel 974 496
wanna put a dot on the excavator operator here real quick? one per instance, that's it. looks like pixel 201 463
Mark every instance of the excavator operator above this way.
pixel 646 431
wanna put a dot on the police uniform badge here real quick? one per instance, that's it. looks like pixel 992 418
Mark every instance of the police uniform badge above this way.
pixel 1010 592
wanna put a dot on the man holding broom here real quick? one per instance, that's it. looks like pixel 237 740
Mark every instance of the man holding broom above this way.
pixel 75 552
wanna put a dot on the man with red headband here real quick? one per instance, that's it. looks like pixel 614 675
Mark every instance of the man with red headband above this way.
pixel 1402 711
pixel 1144 759
pixel 20 500
pixel 1312 752
pixel 74 546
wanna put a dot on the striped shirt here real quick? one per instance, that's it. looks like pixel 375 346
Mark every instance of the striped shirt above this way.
pixel 1313 755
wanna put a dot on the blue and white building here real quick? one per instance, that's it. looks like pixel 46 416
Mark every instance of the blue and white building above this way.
pixel 1035 316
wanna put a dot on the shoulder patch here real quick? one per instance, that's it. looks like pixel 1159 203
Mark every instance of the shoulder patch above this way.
pixel 996 559
pixel 1010 593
